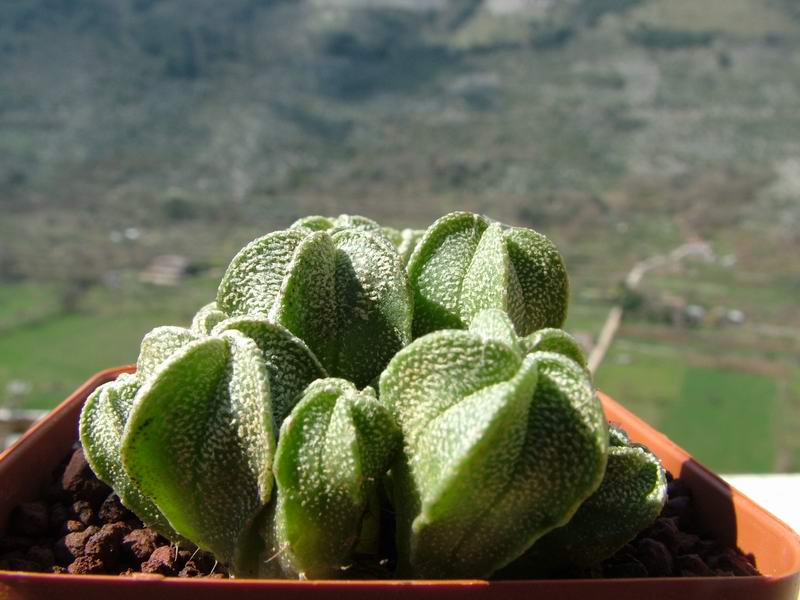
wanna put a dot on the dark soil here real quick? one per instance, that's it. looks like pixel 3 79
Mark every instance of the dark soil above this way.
pixel 79 526
pixel 675 545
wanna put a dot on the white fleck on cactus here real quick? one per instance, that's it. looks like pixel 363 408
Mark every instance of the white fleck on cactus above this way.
pixel 334 224
pixel 499 447
pixel 101 427
pixel 199 443
pixel 405 240
pixel 464 263
pixel 332 451
pixel 207 318
pixel 105 414
pixel 631 496
pixel 344 294
pixel 554 340
pixel 291 366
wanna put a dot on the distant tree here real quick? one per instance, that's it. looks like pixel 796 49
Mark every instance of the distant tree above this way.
pixel 71 294
pixel 178 208
pixel 182 62
pixel 9 265
pixel 630 299
pixel 551 36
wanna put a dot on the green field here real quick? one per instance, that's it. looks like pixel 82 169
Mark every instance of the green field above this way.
pixel 726 419
pixel 54 353
pixel 732 420
pixel 646 378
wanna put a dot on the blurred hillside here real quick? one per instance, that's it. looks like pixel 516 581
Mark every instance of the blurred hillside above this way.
pixel 620 128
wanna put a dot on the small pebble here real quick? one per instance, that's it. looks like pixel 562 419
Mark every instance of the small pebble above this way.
pixel 71 526
pixel 140 544
pixel 112 510
pixel 105 544
pixel 72 545
pixel 79 480
pixel 82 511
pixel 190 570
pixel 691 565
pixel 162 561
pixel 655 557
pixel 85 565
pixel 730 560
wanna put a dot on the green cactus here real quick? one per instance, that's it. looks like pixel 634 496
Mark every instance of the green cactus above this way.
pixel 464 263
pixel 199 442
pixel 207 318
pixel 158 345
pixel 554 340
pixel 106 429
pixel 102 424
pixel 291 366
pixel 499 447
pixel 331 452
pixel 405 240
pixel 344 294
pixel 334 224
pixel 631 496
pixel 247 434
pixel 105 414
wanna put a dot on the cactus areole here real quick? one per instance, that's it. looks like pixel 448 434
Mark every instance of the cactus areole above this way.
pixel 358 394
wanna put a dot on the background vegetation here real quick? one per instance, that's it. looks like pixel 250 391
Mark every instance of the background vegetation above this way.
pixel 620 128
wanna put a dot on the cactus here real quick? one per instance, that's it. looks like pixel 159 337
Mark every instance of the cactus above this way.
pixel 291 366
pixel 255 433
pixel 288 365
pixel 331 453
pixel 200 428
pixel 405 240
pixel 554 340
pixel 344 294
pixel 465 263
pixel 631 496
pixel 499 447
pixel 102 423
pixel 207 318
pixel 106 413
pixel 334 224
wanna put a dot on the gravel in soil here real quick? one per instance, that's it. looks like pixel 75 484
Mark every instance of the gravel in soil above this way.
pixel 79 526
pixel 675 545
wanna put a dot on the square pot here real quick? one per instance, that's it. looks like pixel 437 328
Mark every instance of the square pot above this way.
pixel 731 517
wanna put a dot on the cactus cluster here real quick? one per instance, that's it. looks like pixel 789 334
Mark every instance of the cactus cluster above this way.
pixel 348 371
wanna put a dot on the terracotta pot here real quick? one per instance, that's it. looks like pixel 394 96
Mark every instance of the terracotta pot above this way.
pixel 729 515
